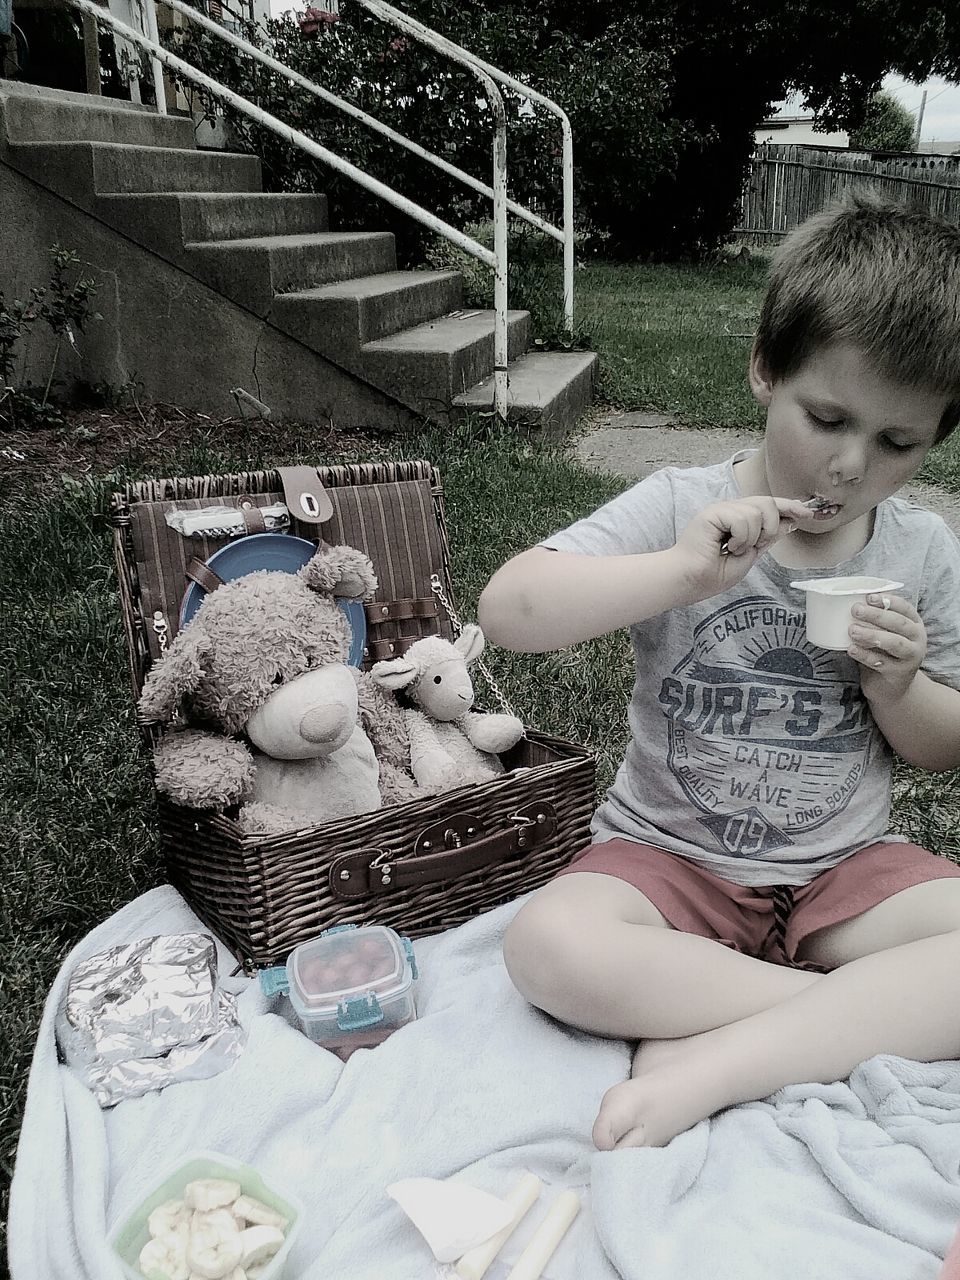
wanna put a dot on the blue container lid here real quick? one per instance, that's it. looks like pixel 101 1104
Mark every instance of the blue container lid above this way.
pixel 279 552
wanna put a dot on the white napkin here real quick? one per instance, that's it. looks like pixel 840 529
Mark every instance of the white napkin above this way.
pixel 452 1217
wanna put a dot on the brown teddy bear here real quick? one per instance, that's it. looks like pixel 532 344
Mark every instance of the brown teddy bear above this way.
pixel 264 662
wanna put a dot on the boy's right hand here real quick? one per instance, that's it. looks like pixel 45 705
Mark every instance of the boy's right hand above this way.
pixel 746 526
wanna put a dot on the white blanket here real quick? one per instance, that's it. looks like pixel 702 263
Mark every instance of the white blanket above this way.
pixel 859 1180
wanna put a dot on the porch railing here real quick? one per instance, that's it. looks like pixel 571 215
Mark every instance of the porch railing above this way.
pixel 488 77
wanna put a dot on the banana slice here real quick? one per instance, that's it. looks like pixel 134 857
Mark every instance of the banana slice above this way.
pixel 259 1244
pixel 168 1218
pixel 222 1220
pixel 257 1213
pixel 165 1255
pixel 214 1252
pixel 210 1193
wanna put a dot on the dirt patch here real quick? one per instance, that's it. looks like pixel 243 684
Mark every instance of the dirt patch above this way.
pixel 93 442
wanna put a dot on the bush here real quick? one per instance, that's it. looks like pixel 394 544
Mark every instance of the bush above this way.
pixel 616 94
pixel 534 280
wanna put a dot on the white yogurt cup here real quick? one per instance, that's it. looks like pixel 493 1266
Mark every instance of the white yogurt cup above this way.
pixel 829 605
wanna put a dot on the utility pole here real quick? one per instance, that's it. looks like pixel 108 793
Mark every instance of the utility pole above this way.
pixel 923 103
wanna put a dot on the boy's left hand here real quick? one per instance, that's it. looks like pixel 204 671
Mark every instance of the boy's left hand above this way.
pixel 889 643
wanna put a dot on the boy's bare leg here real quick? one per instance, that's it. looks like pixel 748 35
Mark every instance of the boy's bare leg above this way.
pixel 903 1001
pixel 595 953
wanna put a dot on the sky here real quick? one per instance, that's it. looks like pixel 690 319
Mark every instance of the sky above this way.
pixel 941 115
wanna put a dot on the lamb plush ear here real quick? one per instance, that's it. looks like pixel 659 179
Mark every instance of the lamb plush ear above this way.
pixel 341 571
pixel 394 673
pixel 470 642
pixel 176 674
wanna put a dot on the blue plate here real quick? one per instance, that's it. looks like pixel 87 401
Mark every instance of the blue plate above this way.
pixel 279 552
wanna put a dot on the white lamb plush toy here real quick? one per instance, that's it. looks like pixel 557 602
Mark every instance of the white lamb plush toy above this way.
pixel 450 745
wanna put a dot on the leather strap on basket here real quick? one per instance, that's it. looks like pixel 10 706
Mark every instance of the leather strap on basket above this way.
pixel 306 498
pixel 203 575
pixel 253 520
pixel 374 873
pixel 398 610
pixel 378 649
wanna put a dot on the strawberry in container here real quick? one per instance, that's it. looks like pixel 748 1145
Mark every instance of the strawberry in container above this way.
pixel 350 987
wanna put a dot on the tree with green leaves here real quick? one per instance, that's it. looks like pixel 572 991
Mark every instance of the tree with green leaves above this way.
pixel 887 126
pixel 663 96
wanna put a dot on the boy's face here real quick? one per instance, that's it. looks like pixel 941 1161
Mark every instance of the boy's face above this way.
pixel 837 429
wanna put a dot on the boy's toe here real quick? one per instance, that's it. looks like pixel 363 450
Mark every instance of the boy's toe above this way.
pixel 617 1119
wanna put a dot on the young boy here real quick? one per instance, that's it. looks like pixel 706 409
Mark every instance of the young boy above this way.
pixel 743 911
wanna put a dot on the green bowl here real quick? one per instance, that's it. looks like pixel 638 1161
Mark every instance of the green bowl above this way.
pixel 133 1233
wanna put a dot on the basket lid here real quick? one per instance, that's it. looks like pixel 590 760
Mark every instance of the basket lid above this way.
pixel 391 511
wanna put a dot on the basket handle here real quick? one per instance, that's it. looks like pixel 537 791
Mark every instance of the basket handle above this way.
pixel 374 873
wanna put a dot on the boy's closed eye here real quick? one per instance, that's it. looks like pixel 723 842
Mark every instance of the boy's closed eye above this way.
pixel 826 423
pixel 888 442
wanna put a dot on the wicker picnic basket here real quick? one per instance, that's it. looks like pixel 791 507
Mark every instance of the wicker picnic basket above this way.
pixel 421 867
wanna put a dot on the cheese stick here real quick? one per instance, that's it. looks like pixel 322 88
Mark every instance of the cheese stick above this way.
pixel 473 1265
pixel 544 1241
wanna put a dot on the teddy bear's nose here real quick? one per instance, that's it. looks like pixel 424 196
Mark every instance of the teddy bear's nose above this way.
pixel 323 723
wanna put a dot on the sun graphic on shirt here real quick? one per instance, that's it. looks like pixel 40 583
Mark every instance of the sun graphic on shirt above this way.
pixel 780 651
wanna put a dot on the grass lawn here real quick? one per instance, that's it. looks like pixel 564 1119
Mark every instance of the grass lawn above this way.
pixel 75 795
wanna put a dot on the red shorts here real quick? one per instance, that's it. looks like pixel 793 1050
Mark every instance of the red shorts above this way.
pixel 771 921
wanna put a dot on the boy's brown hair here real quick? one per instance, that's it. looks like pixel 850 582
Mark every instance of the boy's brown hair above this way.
pixel 875 275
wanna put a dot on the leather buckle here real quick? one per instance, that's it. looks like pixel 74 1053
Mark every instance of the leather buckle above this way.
pixel 306 498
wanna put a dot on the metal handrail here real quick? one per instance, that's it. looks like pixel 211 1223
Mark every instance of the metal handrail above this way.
pixel 485 74
pixel 294 136
pixel 417 29
pixel 498 191
pixel 349 109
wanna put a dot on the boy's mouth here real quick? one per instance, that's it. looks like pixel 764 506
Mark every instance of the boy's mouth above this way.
pixel 823 508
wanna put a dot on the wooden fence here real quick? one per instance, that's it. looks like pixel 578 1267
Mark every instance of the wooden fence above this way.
pixel 789 182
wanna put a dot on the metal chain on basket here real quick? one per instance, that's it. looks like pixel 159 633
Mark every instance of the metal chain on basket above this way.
pixel 436 586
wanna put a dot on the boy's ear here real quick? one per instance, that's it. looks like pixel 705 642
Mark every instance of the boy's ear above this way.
pixel 761 383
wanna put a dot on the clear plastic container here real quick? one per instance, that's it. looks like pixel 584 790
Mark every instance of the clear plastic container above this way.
pixel 132 1232
pixel 350 988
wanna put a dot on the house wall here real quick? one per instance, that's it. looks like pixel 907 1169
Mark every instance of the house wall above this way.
pixel 801 132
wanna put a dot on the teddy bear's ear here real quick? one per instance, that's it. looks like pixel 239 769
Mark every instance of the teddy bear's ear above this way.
pixel 470 642
pixel 341 571
pixel 176 674
pixel 394 673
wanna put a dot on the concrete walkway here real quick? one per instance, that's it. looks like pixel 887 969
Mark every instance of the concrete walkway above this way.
pixel 634 444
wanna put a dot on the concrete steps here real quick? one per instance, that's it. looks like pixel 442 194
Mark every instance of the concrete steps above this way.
pixel 548 390
pixel 215 215
pixel 403 334
pixel 103 168
pixel 369 307
pixel 33 113
pixel 254 271
pixel 433 362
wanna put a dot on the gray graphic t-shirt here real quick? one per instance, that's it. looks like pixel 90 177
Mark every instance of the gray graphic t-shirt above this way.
pixel 753 752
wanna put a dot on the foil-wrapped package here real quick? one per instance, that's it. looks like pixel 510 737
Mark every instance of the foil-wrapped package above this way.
pixel 147 1014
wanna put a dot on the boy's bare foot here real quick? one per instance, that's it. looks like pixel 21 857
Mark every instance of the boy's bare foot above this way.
pixel 651 1053
pixel 650 1109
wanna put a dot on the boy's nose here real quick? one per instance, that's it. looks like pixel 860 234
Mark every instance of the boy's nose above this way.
pixel 847 467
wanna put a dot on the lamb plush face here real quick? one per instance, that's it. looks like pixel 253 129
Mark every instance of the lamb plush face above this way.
pixel 256 653
pixel 445 690
pixel 434 673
